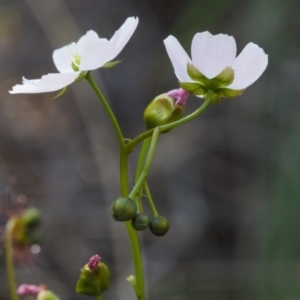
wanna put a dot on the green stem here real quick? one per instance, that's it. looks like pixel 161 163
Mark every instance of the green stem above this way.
pixel 170 126
pixel 139 170
pixel 9 258
pixel 150 200
pixel 98 298
pixel 133 236
pixel 148 162
pixel 142 156
pixel 107 108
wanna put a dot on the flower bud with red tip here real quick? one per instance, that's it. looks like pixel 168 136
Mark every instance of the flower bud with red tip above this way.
pixel 94 278
pixel 165 108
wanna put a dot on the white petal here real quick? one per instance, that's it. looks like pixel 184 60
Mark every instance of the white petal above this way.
pixel 84 41
pixel 122 36
pixel 95 55
pixel 63 58
pixel 178 57
pixel 48 83
pixel 248 66
pixel 211 54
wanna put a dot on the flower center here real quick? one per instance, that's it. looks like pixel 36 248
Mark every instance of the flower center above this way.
pixel 76 62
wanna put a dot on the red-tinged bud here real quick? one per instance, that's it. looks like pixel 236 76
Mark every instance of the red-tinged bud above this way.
pixel 94 262
pixel 165 108
pixel 94 278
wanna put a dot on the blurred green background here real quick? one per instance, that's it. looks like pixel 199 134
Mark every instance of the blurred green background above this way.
pixel 228 181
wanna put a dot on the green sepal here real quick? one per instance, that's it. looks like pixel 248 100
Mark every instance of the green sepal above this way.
pixel 46 295
pixel 159 111
pixel 177 113
pixel 93 282
pixel 225 78
pixel 229 93
pixel 60 93
pixel 197 76
pixel 81 76
pixel 215 99
pixel 111 64
pixel 193 88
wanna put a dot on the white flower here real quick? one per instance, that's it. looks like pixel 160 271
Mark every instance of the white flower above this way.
pixel 74 60
pixel 214 65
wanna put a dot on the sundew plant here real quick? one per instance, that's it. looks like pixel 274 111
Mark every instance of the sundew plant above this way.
pixel 211 71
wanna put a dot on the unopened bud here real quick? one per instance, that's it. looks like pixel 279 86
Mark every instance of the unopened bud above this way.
pixel 159 226
pixel 31 217
pixel 94 278
pixel 165 108
pixel 94 262
pixel 46 295
pixel 24 232
pixel 140 222
pixel 123 209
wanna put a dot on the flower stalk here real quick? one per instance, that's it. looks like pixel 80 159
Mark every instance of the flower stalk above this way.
pixel 107 108
pixel 9 230
pixel 148 162
pixel 150 200
pixel 133 236
pixel 172 125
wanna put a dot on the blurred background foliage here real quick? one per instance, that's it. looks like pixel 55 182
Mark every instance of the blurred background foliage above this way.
pixel 228 181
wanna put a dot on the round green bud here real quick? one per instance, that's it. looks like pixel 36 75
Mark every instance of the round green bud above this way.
pixel 123 209
pixel 159 226
pixel 140 222
pixel 46 295
pixel 31 217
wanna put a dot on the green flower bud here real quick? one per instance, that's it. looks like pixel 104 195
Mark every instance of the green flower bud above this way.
pixel 165 108
pixel 123 209
pixel 31 217
pixel 159 226
pixel 140 222
pixel 94 278
pixel 46 295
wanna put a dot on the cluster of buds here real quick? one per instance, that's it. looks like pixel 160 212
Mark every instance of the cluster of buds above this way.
pixel 125 209
pixel 164 109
